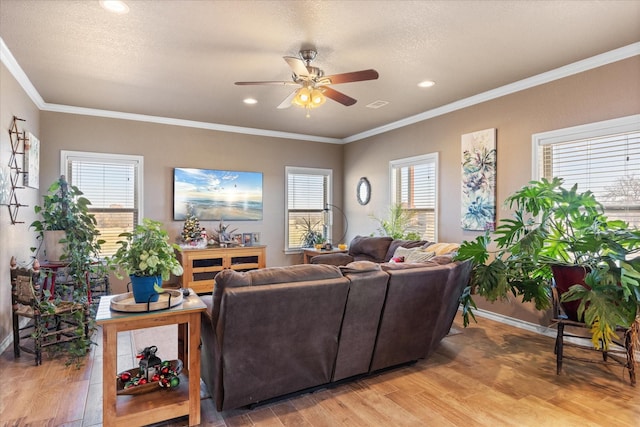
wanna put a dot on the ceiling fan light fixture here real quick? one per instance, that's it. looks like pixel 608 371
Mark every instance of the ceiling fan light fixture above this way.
pixel 303 96
pixel 308 97
pixel 317 97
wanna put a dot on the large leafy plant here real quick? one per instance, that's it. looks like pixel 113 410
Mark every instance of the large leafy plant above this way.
pixel 147 252
pixel 397 223
pixel 553 225
pixel 65 208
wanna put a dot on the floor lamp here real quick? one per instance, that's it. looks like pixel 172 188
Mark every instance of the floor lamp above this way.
pixel 328 221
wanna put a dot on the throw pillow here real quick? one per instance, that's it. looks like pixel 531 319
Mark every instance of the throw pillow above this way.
pixel 442 248
pixel 403 252
pixel 413 254
pixel 420 256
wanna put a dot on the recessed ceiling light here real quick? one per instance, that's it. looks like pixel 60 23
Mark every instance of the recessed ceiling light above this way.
pixel 115 6
pixel 426 83
pixel 250 101
pixel 377 104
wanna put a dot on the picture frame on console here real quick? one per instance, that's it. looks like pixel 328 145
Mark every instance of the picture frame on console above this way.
pixel 237 238
pixel 255 240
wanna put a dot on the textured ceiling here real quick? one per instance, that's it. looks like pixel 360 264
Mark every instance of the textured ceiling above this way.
pixel 180 59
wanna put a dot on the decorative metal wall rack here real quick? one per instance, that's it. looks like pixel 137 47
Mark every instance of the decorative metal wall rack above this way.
pixel 18 139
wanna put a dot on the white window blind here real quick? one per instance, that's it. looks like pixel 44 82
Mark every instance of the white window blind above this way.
pixel 307 197
pixel 111 183
pixel 414 187
pixel 608 165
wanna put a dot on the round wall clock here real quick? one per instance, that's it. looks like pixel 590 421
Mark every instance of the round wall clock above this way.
pixel 363 191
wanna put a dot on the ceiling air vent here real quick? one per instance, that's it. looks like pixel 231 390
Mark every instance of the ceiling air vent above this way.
pixel 377 104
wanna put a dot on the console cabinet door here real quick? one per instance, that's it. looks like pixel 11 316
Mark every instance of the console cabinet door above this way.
pixel 201 265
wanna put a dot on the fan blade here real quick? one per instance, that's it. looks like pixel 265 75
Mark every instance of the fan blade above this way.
pixel 271 83
pixel 287 102
pixel 354 76
pixel 297 66
pixel 338 96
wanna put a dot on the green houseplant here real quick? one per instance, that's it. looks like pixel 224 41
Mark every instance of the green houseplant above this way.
pixel 66 218
pixel 397 223
pixel 65 211
pixel 148 258
pixel 311 233
pixel 555 226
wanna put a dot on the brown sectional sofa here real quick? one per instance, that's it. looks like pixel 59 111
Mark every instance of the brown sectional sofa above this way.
pixel 274 331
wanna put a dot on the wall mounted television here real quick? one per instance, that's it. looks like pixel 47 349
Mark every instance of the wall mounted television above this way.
pixel 217 195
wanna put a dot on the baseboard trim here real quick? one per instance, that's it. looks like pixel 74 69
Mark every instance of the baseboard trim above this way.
pixel 517 323
pixel 8 340
pixel 6 343
pixel 531 327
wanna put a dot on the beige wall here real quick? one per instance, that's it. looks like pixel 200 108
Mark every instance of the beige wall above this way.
pixel 599 94
pixel 15 239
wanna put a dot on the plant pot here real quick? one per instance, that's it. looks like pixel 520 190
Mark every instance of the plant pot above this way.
pixel 53 248
pixel 566 276
pixel 143 288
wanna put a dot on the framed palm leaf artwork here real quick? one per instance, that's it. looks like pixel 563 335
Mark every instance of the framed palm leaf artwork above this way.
pixel 479 180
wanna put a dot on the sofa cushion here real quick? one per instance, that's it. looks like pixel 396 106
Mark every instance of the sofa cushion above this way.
pixel 359 267
pixel 388 266
pixel 419 255
pixel 403 244
pixel 373 249
pixel 443 248
pixel 293 273
pixel 409 255
pixel 267 276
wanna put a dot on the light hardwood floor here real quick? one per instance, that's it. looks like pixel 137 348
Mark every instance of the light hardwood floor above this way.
pixel 488 374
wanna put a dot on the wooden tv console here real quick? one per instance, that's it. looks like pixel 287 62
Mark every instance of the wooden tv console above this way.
pixel 201 265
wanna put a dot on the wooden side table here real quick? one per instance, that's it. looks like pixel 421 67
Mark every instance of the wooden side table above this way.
pixel 158 405
pixel 310 253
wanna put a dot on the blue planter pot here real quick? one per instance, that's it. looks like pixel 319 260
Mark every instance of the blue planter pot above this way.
pixel 142 287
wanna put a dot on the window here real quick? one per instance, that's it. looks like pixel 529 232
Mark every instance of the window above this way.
pixel 414 186
pixel 308 193
pixel 603 157
pixel 113 184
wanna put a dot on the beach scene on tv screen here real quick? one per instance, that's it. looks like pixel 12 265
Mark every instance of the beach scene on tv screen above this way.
pixel 214 195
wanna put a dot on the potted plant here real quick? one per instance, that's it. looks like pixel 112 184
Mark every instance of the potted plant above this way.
pixel 553 226
pixel 397 223
pixel 64 210
pixel 148 258
pixel 75 244
pixel 311 235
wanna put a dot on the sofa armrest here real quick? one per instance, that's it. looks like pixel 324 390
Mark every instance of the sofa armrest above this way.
pixel 338 259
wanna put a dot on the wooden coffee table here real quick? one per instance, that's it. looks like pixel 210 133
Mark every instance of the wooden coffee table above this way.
pixel 160 405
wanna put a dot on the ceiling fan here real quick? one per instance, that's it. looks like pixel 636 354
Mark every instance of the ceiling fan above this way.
pixel 314 85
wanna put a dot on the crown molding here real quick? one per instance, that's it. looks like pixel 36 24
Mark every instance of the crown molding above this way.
pixel 7 58
pixel 58 108
pixel 549 76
